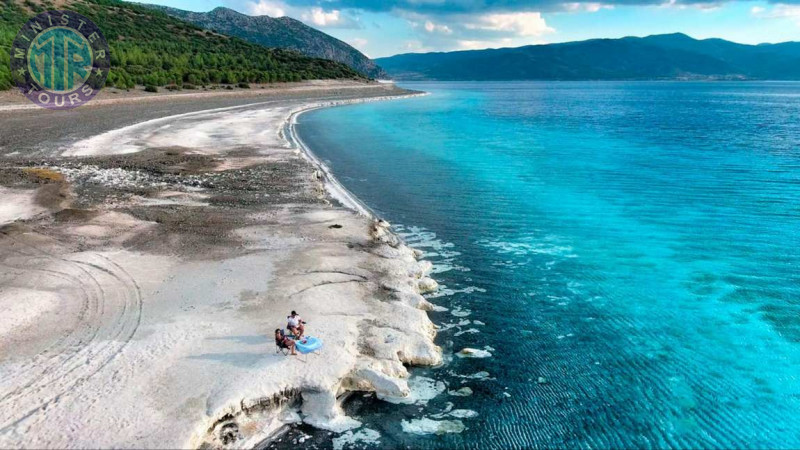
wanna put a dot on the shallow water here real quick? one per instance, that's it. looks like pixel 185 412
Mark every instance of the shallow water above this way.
pixel 628 250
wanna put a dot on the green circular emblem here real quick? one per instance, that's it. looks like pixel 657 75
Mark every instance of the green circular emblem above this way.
pixel 60 59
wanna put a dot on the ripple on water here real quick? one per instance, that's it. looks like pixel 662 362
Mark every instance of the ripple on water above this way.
pixel 648 275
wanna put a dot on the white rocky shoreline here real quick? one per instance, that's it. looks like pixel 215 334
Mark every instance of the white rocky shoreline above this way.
pixel 181 320
pixel 391 346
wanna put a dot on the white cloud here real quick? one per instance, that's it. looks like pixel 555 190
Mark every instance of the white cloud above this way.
pixel 315 16
pixel 322 18
pixel 478 45
pixel 328 19
pixel 431 27
pixel 267 8
pixel 779 11
pixel 520 24
pixel 421 21
pixel 574 7
pixel 415 46
pixel 360 43
pixel 782 10
pixel 465 31
pixel 701 6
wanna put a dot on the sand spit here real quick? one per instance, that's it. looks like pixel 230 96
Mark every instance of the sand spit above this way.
pixel 13 100
pixel 143 275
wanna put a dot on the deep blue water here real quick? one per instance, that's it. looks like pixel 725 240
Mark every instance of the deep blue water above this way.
pixel 634 245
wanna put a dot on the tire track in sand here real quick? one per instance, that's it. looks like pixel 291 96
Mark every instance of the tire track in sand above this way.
pixel 109 315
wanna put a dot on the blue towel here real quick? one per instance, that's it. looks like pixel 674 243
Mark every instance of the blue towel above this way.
pixel 308 344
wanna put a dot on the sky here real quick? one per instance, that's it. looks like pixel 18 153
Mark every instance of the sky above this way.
pixel 388 27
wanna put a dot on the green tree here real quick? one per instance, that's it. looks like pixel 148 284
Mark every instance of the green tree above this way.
pixel 148 46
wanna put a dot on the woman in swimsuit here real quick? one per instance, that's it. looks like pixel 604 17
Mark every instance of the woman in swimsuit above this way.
pixel 283 341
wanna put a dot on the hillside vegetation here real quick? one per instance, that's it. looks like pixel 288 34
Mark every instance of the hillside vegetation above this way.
pixel 279 32
pixel 150 48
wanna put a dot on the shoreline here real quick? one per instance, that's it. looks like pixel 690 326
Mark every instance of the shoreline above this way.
pixel 333 186
pixel 13 100
pixel 277 247
pixel 338 192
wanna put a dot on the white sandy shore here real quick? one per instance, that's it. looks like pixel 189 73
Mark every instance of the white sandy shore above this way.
pixel 13 100
pixel 105 347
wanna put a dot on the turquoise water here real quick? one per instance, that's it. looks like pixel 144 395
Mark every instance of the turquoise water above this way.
pixel 631 249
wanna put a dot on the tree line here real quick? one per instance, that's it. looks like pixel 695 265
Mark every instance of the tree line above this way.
pixel 150 48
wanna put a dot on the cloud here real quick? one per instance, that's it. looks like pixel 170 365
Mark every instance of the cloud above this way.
pixel 444 32
pixel 519 24
pixel 423 22
pixel 329 19
pixel 267 8
pixel 576 7
pixel 315 16
pixel 703 6
pixel 779 11
pixel 431 27
pixel 416 46
pixel 477 45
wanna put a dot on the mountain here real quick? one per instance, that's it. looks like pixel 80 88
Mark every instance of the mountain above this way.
pixel 669 56
pixel 150 47
pixel 280 32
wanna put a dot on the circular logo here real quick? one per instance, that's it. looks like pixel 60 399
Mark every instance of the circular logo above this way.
pixel 60 60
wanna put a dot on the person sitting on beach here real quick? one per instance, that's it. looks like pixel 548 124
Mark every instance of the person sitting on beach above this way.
pixel 283 341
pixel 295 324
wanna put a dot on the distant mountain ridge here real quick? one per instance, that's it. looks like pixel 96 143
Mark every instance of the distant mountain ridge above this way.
pixel 667 56
pixel 279 32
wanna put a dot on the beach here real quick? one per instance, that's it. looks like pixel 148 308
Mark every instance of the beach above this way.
pixel 150 248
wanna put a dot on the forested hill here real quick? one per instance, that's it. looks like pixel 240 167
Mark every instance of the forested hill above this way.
pixel 150 47
pixel 660 57
pixel 279 32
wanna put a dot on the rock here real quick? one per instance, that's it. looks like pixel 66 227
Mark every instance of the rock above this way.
pixel 426 285
pixel 463 414
pixel 408 347
pixel 473 353
pixel 463 392
pixel 483 375
pixel 428 426
pixel 414 300
pixel 321 410
pixel 384 384
pixel 422 269
pixel 289 416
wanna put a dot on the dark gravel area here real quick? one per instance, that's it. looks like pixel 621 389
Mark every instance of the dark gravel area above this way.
pixel 78 188
pixel 41 132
